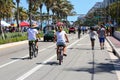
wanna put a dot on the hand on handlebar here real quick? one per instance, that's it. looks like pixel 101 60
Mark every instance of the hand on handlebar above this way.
pixel 67 41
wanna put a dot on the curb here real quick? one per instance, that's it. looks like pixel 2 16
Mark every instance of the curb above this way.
pixel 12 44
pixel 115 51
pixel 15 44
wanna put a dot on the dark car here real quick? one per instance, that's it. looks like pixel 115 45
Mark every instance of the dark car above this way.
pixel 49 36
pixel 72 30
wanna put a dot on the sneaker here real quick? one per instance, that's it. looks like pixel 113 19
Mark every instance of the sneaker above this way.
pixel 103 47
pixel 64 54
pixel 57 57
pixel 92 48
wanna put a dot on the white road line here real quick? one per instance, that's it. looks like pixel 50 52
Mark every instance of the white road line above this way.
pixel 1 66
pixel 41 65
pixel 10 62
pixel 22 57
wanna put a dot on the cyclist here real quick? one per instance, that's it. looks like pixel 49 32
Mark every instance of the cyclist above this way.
pixel 33 34
pixel 61 37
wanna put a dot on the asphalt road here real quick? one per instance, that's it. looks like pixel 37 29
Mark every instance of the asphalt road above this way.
pixel 82 63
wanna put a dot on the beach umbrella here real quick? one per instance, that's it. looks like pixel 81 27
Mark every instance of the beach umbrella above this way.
pixel 24 24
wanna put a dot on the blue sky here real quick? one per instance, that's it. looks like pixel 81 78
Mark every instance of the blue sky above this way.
pixel 80 6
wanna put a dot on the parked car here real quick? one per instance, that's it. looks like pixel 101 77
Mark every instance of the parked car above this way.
pixel 49 36
pixel 72 30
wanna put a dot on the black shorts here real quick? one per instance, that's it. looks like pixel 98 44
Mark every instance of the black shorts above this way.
pixel 92 39
pixel 30 42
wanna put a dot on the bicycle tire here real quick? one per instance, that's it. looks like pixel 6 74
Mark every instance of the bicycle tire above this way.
pixel 36 52
pixel 60 57
pixel 31 53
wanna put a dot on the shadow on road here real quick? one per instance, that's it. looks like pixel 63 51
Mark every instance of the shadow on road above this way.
pixel 49 63
pixel 96 68
pixel 72 48
pixel 25 58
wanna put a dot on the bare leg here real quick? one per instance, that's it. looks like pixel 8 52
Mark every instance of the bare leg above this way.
pixel 64 51
pixel 92 44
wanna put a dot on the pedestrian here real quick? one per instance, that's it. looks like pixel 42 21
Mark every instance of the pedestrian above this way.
pixel 79 31
pixel 102 36
pixel 93 35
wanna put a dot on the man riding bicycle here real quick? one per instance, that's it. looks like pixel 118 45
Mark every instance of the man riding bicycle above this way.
pixel 61 37
pixel 33 34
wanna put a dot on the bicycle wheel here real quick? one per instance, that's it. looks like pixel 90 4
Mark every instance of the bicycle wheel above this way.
pixel 31 52
pixel 36 52
pixel 60 57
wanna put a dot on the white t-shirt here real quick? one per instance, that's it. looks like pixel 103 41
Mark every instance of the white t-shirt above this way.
pixel 93 34
pixel 60 36
pixel 32 34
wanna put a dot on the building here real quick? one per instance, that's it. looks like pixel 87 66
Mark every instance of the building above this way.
pixel 108 2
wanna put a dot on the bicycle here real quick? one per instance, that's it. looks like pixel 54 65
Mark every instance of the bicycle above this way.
pixel 33 51
pixel 60 54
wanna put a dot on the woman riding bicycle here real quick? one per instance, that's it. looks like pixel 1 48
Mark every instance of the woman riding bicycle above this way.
pixel 61 37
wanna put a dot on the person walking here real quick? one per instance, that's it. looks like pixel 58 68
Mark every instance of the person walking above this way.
pixel 102 36
pixel 79 31
pixel 92 34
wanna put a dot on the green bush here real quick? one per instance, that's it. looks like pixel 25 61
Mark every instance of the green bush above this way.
pixel 66 30
pixel 15 37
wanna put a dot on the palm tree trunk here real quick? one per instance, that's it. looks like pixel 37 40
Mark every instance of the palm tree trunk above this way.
pixel 1 31
pixel 41 16
pixel 18 1
pixel 30 17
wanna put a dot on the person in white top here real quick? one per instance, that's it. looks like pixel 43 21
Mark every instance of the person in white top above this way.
pixel 61 37
pixel 93 35
pixel 33 34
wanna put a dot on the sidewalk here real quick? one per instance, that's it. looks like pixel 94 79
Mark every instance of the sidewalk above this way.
pixel 115 44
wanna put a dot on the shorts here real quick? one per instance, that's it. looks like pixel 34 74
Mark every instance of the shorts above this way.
pixel 30 42
pixel 92 39
pixel 61 44
pixel 101 40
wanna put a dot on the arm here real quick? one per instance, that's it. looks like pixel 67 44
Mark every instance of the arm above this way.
pixel 38 36
pixel 66 38
pixel 55 38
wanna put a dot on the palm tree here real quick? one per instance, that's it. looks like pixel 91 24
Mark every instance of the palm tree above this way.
pixel 40 2
pixel 1 8
pixel 18 1
pixel 49 4
pixel 32 8
pixel 5 10
pixel 22 14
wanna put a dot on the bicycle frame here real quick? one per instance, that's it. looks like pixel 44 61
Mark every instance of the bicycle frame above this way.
pixel 32 49
pixel 60 54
